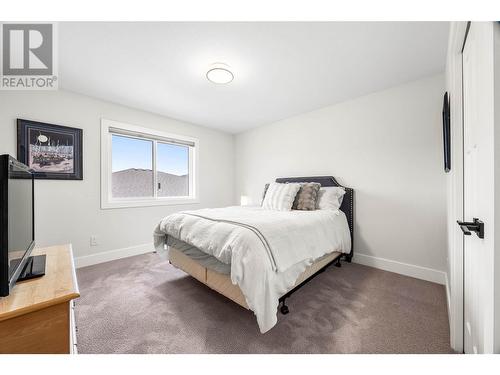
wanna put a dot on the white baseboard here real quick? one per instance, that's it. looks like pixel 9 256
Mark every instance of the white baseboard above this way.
pixel 448 297
pixel 107 256
pixel 406 269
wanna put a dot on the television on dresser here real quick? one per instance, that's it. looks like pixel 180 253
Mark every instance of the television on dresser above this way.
pixel 17 225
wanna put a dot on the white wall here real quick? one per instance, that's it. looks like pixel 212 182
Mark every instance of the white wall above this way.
pixel 69 211
pixel 388 147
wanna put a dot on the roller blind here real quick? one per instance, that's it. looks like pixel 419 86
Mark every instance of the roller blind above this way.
pixel 135 134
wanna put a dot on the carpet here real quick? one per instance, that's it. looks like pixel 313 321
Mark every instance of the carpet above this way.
pixel 142 304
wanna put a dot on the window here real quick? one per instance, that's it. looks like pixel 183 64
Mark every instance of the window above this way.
pixel 144 167
pixel 131 167
pixel 172 170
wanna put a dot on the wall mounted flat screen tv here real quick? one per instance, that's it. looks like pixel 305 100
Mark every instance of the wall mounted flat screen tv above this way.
pixel 446 133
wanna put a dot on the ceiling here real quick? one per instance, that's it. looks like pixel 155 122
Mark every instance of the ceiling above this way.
pixel 280 69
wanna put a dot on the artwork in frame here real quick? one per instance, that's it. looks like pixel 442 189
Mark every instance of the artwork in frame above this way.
pixel 53 152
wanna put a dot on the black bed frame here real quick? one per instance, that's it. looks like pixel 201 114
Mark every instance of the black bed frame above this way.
pixel 347 207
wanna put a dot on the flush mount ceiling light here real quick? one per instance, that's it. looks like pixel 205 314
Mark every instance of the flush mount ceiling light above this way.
pixel 219 74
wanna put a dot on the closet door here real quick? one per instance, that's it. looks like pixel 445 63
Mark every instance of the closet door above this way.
pixel 478 110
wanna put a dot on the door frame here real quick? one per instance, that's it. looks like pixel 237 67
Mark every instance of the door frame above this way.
pixel 455 183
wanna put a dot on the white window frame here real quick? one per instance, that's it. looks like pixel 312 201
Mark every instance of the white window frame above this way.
pixel 110 127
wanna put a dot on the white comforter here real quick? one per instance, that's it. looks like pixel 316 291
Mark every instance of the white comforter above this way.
pixel 267 250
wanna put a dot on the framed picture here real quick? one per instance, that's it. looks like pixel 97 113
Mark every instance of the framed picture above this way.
pixel 446 133
pixel 53 152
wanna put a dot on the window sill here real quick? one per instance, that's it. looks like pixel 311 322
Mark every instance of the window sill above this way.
pixel 131 203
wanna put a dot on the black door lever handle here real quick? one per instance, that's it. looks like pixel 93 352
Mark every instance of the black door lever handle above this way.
pixel 464 229
pixel 476 226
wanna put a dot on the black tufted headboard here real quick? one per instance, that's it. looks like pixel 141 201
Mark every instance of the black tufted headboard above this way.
pixel 347 203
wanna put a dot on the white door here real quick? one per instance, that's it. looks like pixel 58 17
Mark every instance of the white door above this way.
pixel 478 107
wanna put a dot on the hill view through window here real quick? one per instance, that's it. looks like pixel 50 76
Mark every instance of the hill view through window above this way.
pixel 134 166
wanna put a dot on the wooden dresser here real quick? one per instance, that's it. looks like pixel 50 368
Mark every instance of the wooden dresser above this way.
pixel 38 315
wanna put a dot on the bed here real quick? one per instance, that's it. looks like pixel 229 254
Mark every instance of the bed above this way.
pixel 243 264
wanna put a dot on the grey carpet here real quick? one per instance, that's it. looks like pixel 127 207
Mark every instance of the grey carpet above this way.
pixel 144 305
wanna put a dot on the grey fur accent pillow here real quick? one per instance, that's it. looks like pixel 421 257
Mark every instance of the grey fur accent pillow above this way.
pixel 307 196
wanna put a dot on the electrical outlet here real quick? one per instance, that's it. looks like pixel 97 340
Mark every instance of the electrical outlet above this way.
pixel 93 241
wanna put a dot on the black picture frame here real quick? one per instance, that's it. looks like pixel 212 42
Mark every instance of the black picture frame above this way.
pixel 446 133
pixel 53 152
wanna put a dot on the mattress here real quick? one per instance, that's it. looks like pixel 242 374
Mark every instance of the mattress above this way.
pixel 204 259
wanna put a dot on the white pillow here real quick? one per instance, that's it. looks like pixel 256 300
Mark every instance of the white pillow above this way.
pixel 330 197
pixel 280 196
